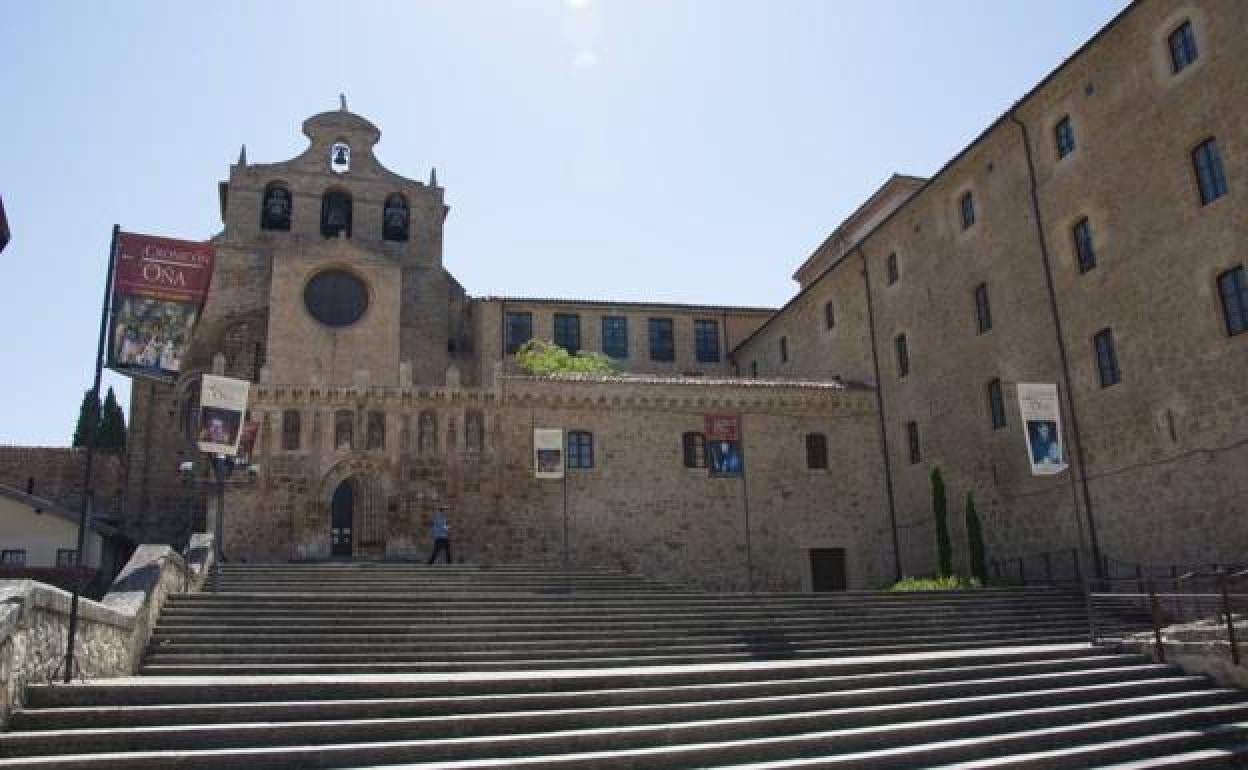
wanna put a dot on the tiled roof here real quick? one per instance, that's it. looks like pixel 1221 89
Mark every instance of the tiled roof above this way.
pixel 618 303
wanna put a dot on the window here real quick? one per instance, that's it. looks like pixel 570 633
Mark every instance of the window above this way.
pixel 1084 250
pixel 891 268
pixel 394 218
pixel 568 331
pixel 903 355
pixel 1064 133
pixel 13 558
pixel 912 436
pixel 829 315
pixel 580 449
pixel 66 557
pixel 290 429
pixel 662 345
pixel 706 341
pixel 784 350
pixel 816 452
pixel 336 298
pixel 344 428
pixel 519 330
pixel 1106 358
pixel 615 336
pixel 1209 174
pixel 1182 47
pixel 376 436
pixel 693 447
pixel 968 210
pixel 275 210
pixel 983 313
pixel 996 404
pixel 1234 292
pixel 754 369
pixel 336 213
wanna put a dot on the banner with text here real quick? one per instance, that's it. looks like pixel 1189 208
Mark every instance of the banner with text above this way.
pixel 548 453
pixel 222 405
pixel 1042 428
pixel 723 444
pixel 158 292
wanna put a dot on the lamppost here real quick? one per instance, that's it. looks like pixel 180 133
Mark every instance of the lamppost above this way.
pixel 223 468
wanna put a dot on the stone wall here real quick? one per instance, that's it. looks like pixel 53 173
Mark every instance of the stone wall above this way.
pixel 57 475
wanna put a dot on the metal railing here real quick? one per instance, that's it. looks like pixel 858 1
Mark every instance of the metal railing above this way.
pixel 1064 566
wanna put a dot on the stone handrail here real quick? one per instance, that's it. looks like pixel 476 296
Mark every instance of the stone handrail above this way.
pixel 112 633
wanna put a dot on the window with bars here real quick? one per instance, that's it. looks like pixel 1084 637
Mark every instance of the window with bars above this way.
pixel 519 330
pixel 13 557
pixel 912 438
pixel 662 343
pixel 66 557
pixel 1085 250
pixel 816 451
pixel 693 447
pixel 1233 289
pixel 568 331
pixel 1182 47
pixel 1210 176
pixel 1106 358
pixel 903 355
pixel 706 341
pixel 891 268
pixel 996 404
pixel 615 336
pixel 1064 135
pixel 580 449
pixel 967 207
pixel 983 312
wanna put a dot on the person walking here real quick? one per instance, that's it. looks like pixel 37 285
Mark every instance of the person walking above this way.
pixel 441 536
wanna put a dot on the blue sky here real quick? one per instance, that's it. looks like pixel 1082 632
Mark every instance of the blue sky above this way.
pixel 683 150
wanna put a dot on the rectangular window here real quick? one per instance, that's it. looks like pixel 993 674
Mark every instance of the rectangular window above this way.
pixel 568 331
pixel 996 404
pixel 816 452
pixel 1233 289
pixel 66 557
pixel 1209 174
pixel 912 437
pixel 1106 358
pixel 615 336
pixel 754 369
pixel 1064 133
pixel 784 350
pixel 983 313
pixel 903 355
pixel 580 449
pixel 968 210
pixel 829 315
pixel 891 266
pixel 662 343
pixel 706 340
pixel 290 430
pixel 1084 249
pixel 13 557
pixel 519 328
pixel 693 447
pixel 1182 47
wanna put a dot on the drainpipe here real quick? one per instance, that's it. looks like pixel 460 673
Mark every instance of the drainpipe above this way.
pixel 879 404
pixel 1061 350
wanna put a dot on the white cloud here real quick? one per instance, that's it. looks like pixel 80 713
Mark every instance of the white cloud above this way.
pixel 585 59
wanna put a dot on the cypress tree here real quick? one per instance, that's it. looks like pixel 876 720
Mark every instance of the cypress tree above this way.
pixel 112 425
pixel 87 414
pixel 940 507
pixel 975 541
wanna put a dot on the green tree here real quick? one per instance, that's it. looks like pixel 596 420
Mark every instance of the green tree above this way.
pixel 940 507
pixel 975 541
pixel 112 425
pixel 87 415
pixel 543 357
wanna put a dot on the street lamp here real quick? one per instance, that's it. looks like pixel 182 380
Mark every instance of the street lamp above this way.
pixel 223 468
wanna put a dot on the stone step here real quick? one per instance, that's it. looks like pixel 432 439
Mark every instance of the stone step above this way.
pixel 880 688
pixel 366 602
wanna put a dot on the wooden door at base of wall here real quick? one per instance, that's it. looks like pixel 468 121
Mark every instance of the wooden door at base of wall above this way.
pixel 827 569
pixel 340 520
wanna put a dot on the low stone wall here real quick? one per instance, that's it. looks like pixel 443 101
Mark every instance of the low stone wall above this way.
pixel 112 633
pixel 1201 648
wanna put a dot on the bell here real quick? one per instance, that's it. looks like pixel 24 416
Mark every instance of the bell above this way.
pixel 340 156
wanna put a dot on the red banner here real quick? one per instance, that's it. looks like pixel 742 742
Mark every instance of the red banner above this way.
pixel 721 427
pixel 159 287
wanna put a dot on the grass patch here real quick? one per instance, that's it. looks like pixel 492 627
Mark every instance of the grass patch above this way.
pixel 951 583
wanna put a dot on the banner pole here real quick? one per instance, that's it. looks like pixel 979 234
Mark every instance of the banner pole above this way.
pixel 92 437
pixel 745 504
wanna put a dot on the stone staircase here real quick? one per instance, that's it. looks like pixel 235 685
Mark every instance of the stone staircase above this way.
pixel 357 665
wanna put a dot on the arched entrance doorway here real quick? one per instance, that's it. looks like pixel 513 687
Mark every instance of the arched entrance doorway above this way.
pixel 342 520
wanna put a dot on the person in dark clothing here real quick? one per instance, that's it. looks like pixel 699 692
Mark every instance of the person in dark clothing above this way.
pixel 441 536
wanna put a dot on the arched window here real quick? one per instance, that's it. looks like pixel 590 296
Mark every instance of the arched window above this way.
pixel 474 431
pixel 394 218
pixel 335 213
pixel 290 429
pixel 344 427
pixel 427 427
pixel 275 210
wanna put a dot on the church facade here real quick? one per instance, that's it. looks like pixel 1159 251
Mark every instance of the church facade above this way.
pixel 384 391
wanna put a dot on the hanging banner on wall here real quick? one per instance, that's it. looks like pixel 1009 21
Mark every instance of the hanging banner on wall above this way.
pixel 222 404
pixel 1042 428
pixel 158 291
pixel 723 444
pixel 548 453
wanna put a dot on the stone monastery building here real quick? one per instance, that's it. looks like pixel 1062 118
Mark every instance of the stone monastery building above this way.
pixel 1094 236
